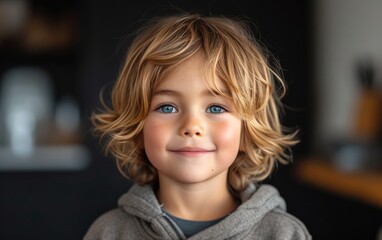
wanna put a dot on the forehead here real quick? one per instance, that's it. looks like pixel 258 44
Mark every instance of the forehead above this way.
pixel 193 72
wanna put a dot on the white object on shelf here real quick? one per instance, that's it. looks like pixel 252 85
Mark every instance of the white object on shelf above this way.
pixel 26 101
pixel 67 115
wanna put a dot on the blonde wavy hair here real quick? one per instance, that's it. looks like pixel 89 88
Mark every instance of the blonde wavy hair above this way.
pixel 232 55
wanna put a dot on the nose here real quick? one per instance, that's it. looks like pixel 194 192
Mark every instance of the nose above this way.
pixel 192 125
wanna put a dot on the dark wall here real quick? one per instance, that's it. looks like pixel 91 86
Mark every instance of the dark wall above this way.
pixel 62 205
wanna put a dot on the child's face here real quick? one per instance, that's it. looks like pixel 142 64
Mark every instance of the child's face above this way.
pixel 190 135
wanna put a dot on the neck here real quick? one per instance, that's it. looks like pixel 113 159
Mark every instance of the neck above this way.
pixel 199 202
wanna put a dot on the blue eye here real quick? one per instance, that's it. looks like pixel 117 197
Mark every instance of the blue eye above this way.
pixel 215 109
pixel 166 109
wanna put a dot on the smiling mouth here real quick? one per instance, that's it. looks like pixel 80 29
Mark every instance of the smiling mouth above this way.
pixel 192 151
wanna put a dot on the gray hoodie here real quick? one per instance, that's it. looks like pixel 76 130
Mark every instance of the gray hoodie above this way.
pixel 261 215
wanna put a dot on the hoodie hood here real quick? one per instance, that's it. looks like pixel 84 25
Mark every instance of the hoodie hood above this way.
pixel 142 203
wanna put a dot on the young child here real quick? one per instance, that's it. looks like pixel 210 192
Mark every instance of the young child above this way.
pixel 194 123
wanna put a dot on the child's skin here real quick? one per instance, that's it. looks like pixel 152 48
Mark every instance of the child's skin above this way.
pixel 192 137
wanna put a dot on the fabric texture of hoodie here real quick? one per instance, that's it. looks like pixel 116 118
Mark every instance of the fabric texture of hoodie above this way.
pixel 261 215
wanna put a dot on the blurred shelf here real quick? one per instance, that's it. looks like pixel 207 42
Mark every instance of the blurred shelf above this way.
pixel 46 158
pixel 363 185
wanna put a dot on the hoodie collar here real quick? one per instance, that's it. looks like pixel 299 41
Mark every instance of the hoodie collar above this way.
pixel 140 201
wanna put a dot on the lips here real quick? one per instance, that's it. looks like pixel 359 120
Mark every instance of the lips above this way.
pixel 192 151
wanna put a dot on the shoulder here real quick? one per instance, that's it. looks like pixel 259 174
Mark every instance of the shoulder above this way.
pixel 276 222
pixel 109 225
pixel 279 224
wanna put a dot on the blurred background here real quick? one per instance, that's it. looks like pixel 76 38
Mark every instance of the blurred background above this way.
pixel 56 56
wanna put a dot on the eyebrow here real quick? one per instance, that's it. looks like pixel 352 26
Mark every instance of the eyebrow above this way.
pixel 168 92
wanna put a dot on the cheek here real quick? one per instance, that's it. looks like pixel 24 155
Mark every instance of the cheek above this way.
pixel 227 135
pixel 151 131
pixel 155 135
